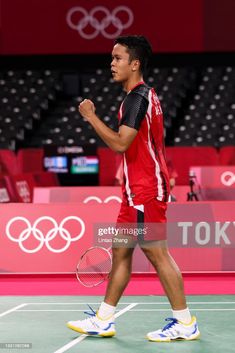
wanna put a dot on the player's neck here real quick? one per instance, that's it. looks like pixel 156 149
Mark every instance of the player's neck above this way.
pixel 132 82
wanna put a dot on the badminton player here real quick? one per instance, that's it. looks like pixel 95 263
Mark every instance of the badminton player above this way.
pixel 145 193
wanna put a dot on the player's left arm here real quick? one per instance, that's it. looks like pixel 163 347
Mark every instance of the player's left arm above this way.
pixel 117 141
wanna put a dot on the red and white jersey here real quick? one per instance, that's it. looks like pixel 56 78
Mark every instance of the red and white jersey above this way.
pixel 144 166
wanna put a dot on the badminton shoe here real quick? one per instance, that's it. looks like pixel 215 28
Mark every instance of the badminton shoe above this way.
pixel 94 325
pixel 175 330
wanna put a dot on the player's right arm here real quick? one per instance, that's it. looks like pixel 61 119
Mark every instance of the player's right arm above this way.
pixel 117 141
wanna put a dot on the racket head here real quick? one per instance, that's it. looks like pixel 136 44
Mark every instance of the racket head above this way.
pixel 94 266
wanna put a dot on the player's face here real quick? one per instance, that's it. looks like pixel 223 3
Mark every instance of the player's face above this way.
pixel 121 67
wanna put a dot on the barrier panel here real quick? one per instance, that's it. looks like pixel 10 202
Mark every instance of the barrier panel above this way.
pixel 72 26
pixel 100 194
pixel 89 194
pixel 216 182
pixel 82 26
pixel 49 238
pixel 215 176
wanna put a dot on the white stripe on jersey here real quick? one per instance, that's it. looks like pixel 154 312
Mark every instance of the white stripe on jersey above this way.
pixel 127 186
pixel 152 154
pixel 125 170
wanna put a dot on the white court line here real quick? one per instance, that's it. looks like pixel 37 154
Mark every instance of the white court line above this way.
pixel 65 310
pixel 82 337
pixel 191 309
pixel 71 344
pixel 123 311
pixel 13 309
pixel 203 303
pixel 124 303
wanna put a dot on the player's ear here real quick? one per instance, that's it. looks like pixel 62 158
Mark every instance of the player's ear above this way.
pixel 135 65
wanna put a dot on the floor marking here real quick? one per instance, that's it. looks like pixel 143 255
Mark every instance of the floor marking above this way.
pixel 13 309
pixel 82 337
pixel 188 302
pixel 71 344
pixel 191 309
pixel 123 311
pixel 118 312
pixel 166 309
pixel 124 303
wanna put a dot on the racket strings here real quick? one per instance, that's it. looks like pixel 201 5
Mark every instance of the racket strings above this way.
pixel 94 267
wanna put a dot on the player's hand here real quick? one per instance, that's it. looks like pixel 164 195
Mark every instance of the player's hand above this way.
pixel 87 109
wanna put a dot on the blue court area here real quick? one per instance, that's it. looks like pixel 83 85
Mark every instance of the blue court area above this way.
pixel 37 324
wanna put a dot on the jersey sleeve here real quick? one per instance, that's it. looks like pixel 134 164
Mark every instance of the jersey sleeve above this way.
pixel 134 109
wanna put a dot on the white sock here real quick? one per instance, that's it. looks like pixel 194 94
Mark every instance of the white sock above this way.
pixel 106 310
pixel 183 316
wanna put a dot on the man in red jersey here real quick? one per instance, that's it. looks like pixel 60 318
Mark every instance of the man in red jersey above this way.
pixel 145 193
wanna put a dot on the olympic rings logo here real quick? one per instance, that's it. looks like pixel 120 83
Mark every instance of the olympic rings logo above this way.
pixel 99 25
pixel 38 234
pixel 98 199
pixel 228 178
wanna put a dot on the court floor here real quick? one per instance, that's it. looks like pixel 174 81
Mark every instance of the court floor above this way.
pixel 33 324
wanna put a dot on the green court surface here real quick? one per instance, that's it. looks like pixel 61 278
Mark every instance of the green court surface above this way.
pixel 40 321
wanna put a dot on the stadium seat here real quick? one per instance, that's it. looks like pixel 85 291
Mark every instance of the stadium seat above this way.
pixel 8 162
pixel 197 102
pixel 227 155
pixel 21 187
pixel 30 160
pixel 46 179
pixel 5 196
pixel 109 162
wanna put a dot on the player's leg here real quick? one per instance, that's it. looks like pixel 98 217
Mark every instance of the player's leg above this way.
pixel 120 274
pixel 102 322
pixel 182 325
pixel 168 272
pixel 122 257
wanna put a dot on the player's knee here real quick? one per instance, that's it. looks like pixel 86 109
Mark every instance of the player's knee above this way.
pixel 121 254
pixel 156 255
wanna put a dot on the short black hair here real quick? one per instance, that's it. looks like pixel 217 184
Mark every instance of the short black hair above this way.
pixel 138 48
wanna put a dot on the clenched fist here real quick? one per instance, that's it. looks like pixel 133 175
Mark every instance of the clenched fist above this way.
pixel 87 109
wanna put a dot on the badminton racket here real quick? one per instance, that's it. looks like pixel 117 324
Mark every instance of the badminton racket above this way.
pixel 94 266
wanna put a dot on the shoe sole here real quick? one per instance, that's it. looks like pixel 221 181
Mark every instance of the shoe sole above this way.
pixel 176 339
pixel 103 334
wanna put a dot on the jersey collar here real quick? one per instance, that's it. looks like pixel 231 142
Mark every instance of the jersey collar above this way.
pixel 138 84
